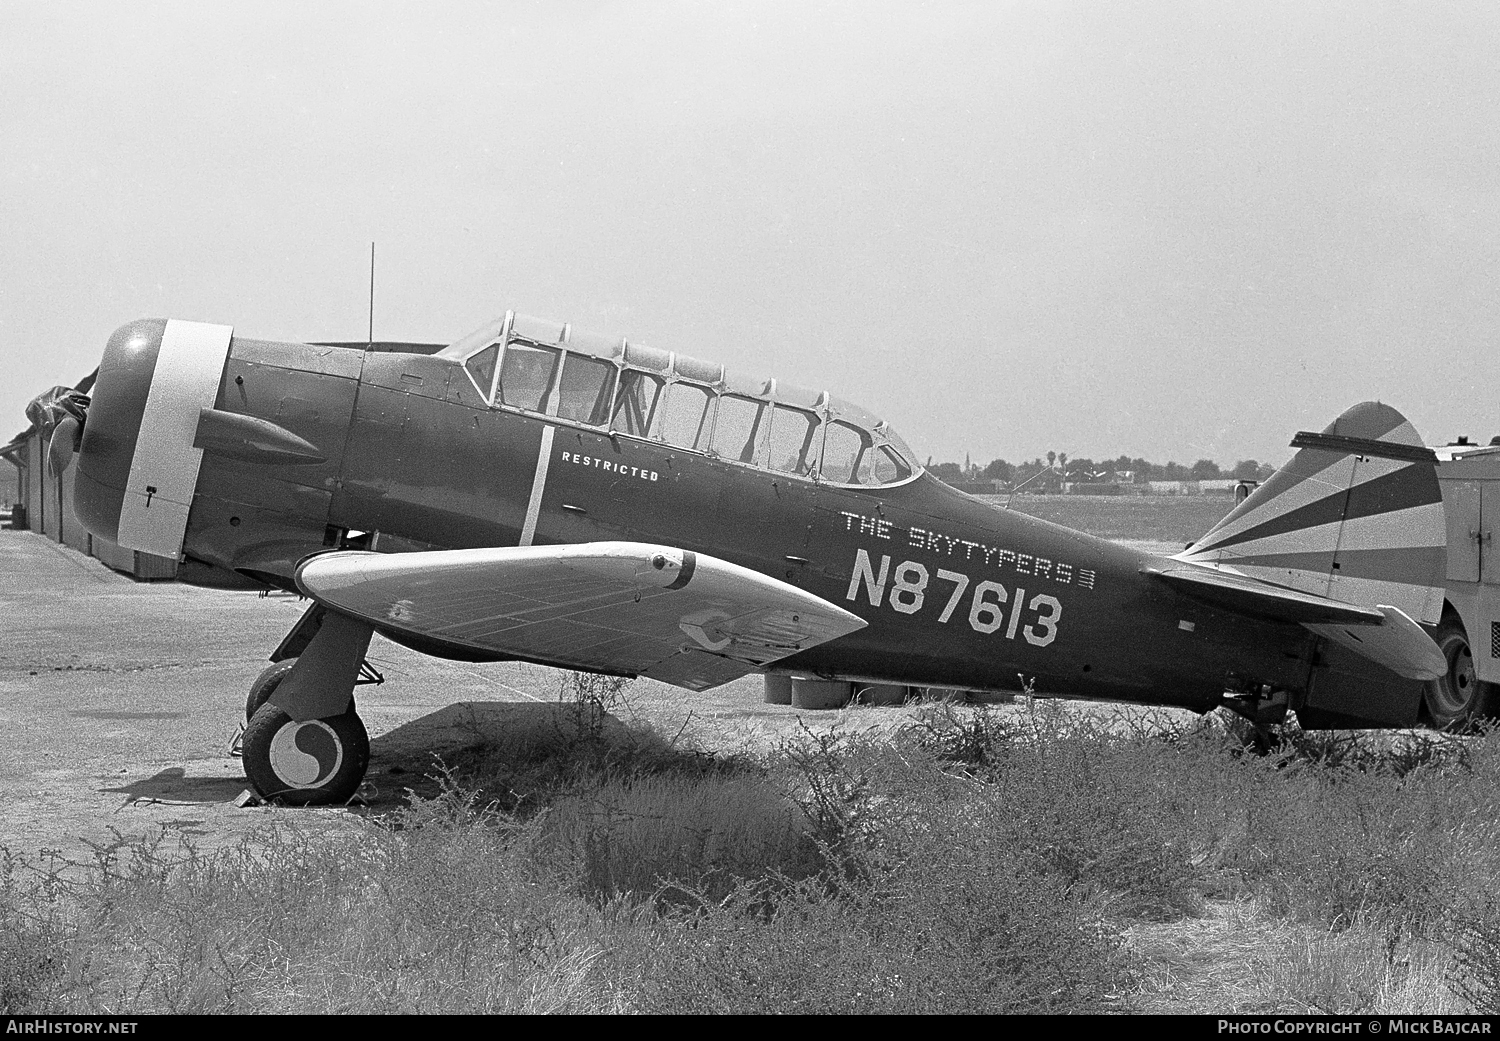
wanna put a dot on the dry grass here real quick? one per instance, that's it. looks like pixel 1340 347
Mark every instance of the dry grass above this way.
pixel 1236 959
pixel 1038 859
pixel 681 838
pixel 1210 963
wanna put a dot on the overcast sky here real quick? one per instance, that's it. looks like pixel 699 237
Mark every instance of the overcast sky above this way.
pixel 1174 230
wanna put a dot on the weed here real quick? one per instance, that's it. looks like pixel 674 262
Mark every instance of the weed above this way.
pixel 835 794
pixel 590 700
pixel 34 936
pixel 970 739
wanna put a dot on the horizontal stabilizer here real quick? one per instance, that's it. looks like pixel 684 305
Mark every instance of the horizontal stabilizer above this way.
pixel 1384 634
pixel 1372 447
pixel 620 607
pixel 1401 645
pixel 1251 596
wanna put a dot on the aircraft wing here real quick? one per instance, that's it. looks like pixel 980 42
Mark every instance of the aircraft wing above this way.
pixel 622 607
pixel 1384 634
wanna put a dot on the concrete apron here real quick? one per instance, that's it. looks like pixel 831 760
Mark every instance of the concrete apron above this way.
pixel 120 700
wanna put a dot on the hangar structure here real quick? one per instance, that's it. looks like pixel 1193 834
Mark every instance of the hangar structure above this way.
pixel 44 500
pixel 44 504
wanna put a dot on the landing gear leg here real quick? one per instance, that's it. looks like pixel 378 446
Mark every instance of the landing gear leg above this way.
pixel 271 676
pixel 1264 739
pixel 305 744
pixel 1265 710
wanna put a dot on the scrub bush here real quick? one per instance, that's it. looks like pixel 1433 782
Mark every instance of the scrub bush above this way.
pixel 33 937
pixel 581 745
pixel 1391 831
pixel 1096 808
pixel 947 939
pixel 680 838
pixel 926 902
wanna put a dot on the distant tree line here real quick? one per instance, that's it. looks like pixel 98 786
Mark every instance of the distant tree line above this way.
pixel 1058 467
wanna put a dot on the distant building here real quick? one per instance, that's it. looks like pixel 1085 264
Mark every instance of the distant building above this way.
pixel 44 504
pixel 1213 487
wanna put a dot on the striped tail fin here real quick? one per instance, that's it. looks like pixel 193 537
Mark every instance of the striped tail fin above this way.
pixel 1356 516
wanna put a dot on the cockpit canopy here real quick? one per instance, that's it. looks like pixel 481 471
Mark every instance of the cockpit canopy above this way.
pixel 548 368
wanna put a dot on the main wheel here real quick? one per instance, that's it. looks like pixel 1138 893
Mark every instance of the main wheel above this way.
pixel 265 685
pixel 1457 697
pixel 314 762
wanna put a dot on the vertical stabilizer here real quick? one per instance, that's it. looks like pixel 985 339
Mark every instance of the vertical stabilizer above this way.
pixel 1357 516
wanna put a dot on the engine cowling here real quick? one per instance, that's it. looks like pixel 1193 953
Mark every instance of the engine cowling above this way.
pixel 137 463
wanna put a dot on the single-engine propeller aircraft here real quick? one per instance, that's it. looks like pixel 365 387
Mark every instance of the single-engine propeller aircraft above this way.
pixel 535 493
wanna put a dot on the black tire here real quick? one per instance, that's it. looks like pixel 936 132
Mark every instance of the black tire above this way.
pixel 1458 698
pixel 315 762
pixel 265 685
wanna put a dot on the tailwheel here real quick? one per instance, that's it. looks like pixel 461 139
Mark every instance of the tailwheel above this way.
pixel 311 762
pixel 1457 697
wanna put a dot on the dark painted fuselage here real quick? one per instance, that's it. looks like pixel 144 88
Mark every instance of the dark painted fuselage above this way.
pixel 956 592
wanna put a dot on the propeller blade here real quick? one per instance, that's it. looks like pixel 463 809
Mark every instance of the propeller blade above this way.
pixel 59 414
pixel 66 437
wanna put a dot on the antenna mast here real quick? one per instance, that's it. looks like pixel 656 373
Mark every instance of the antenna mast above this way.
pixel 371 340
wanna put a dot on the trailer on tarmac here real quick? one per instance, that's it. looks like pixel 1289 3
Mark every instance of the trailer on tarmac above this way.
pixel 1469 632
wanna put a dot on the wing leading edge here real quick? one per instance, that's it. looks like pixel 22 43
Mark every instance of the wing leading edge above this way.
pixel 623 607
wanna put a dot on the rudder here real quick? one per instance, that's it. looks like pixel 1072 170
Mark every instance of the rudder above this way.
pixel 1356 516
